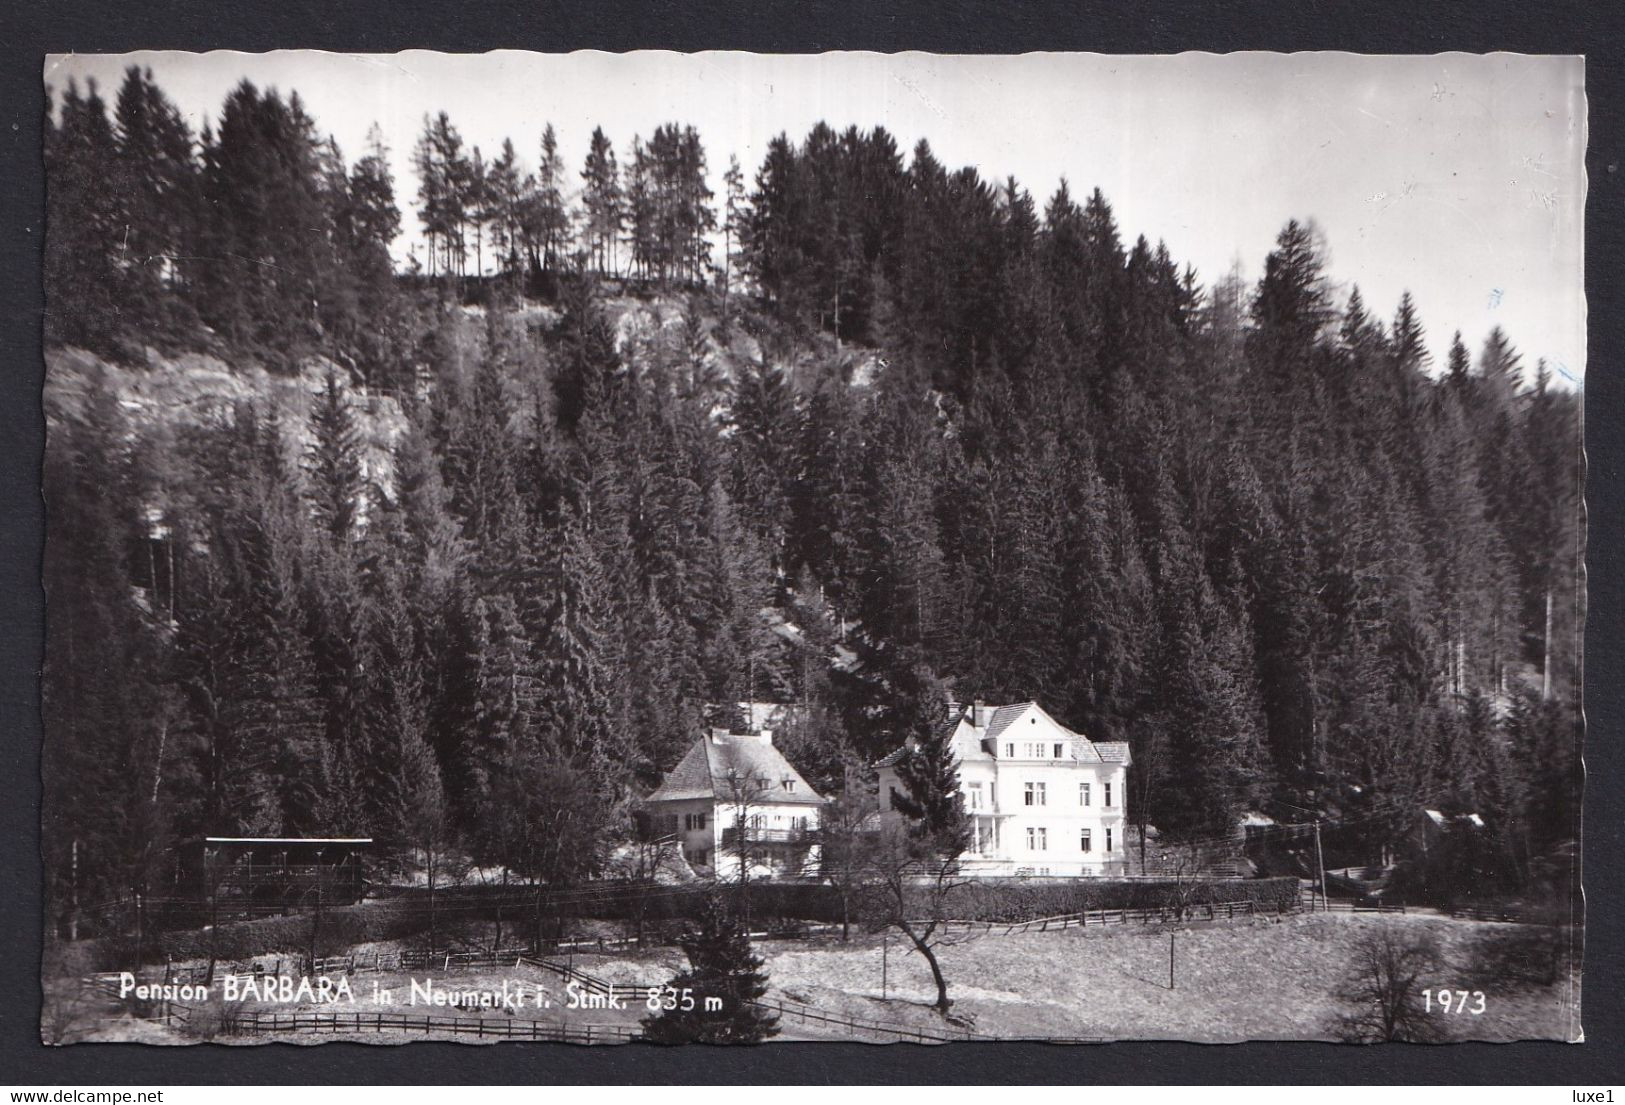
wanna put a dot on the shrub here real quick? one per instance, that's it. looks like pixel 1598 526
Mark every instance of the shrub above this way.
pixel 211 1018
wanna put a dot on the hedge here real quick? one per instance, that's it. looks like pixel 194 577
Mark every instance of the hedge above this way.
pixel 1003 900
pixel 1015 900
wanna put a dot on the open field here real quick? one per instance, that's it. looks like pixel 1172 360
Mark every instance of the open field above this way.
pixel 1246 981
pixel 1250 981
pixel 1270 979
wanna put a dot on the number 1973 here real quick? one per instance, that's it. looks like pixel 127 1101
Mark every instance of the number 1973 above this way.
pixel 1455 1001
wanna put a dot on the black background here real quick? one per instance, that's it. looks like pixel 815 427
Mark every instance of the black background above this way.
pixel 29 29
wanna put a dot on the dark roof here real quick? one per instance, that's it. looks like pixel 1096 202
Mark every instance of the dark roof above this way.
pixel 942 732
pixel 1004 717
pixel 709 767
pixel 893 757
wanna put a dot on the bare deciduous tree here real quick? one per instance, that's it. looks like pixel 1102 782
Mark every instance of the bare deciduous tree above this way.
pixel 1383 989
pixel 910 890
pixel 845 844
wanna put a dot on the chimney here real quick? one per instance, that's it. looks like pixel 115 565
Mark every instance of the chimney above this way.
pixel 979 714
pixel 767 736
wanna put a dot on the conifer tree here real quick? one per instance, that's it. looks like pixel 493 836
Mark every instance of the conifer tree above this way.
pixel 722 970
pixel 333 462
pixel 549 224
pixel 156 192
pixel 81 285
pixel 603 205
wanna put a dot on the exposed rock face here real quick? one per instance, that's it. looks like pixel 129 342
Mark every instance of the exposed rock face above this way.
pixel 171 395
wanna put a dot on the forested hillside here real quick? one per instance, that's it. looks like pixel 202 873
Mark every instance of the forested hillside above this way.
pixel 615 454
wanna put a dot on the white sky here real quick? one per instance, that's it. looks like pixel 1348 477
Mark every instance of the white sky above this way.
pixel 1460 177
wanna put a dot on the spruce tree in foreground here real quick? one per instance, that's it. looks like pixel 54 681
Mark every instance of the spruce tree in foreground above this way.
pixel 713 1001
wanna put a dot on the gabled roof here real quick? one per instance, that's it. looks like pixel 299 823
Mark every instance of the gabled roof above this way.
pixel 1004 717
pixel 971 742
pixel 715 765
pixel 967 741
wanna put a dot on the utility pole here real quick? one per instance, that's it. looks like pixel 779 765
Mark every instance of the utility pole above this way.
pixel 1320 860
pixel 1546 652
pixel 1170 961
pixel 73 884
pixel 885 954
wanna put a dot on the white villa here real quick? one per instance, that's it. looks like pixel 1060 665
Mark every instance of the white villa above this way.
pixel 1042 799
pixel 729 783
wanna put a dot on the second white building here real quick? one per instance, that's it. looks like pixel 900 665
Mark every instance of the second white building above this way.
pixel 1042 799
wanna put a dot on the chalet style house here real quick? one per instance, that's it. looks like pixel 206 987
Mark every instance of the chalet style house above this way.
pixel 1042 799
pixel 734 799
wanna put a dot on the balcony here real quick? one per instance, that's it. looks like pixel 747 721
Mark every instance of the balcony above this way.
pixel 730 836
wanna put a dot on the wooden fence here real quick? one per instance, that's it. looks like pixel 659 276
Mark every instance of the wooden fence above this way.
pixel 807 1014
pixel 896 1030
pixel 261 1023
pixel 1505 914
pixel 485 1028
pixel 448 962
pixel 1219 911
pixel 159 1009
pixel 1350 905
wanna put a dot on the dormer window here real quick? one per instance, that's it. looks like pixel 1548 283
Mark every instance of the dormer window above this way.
pixel 789 784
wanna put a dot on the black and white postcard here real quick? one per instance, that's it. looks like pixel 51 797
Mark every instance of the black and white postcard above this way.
pixel 751 548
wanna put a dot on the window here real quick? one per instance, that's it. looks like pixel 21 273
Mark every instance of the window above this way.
pixel 976 796
pixel 789 784
pixel 1035 794
pixel 1060 750
pixel 1087 842
pixel 1083 794
pixel 1108 794
pixel 801 823
pixel 1108 840
pixel 756 821
pixel 1009 751
pixel 893 797
pixel 1043 839
pixel 694 822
